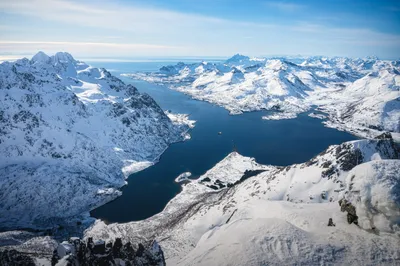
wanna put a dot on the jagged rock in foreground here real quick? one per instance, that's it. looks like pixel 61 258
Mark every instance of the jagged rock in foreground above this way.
pixel 15 258
pixel 361 96
pixel 278 216
pixel 70 134
pixel 76 252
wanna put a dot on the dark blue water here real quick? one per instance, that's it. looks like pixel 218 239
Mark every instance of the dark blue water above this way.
pixel 281 142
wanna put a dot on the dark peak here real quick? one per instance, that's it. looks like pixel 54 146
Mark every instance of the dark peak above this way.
pixel 385 135
pixel 237 57
pixel 372 57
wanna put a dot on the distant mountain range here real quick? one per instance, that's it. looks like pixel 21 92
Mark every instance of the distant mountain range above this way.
pixel 361 96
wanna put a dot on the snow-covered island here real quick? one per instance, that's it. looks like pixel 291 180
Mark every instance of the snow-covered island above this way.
pixel 183 177
pixel 361 96
pixel 70 134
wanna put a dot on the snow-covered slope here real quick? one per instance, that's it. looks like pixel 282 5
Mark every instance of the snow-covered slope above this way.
pixel 69 136
pixel 359 95
pixel 244 213
pixel 374 190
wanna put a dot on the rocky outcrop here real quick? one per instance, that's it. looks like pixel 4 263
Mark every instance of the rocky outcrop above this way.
pixel 372 195
pixel 330 222
pixel 78 252
pixel 14 258
pixel 346 206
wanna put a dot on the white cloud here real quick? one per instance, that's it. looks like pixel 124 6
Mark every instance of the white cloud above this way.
pixel 111 29
pixel 85 48
pixel 106 15
pixel 285 6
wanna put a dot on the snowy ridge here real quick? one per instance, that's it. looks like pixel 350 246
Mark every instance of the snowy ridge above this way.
pixel 272 215
pixel 69 136
pixel 359 95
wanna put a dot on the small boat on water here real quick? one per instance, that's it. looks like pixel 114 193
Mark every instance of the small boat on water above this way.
pixel 220 133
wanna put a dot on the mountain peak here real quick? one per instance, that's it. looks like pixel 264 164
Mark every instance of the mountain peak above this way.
pixel 40 57
pixel 59 57
pixel 237 57
pixel 372 57
pixel 63 57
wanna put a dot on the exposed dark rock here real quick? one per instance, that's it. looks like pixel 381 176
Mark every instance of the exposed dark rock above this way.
pixel 99 247
pixel 247 174
pixel 116 248
pixel 140 250
pixel 330 222
pixel 126 121
pixel 14 258
pixel 351 159
pixel 326 164
pixel 79 252
pixel 205 180
pixel 380 128
pixel 323 195
pixel 346 206
pixel 218 184
pixel 385 135
pixel 329 172
pixel 128 251
pixel 250 173
pixel 213 187
pixel 341 75
pixel 221 185
pixel 388 147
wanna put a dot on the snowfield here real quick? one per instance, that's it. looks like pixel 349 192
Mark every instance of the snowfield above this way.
pixel 361 96
pixel 70 135
pixel 243 213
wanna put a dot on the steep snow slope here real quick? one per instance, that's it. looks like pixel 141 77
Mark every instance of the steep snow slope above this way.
pixel 374 189
pixel 360 95
pixel 244 213
pixel 283 233
pixel 69 136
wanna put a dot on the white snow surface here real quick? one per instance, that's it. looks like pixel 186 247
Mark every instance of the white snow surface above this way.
pixel 358 95
pixel 183 177
pixel 70 134
pixel 278 215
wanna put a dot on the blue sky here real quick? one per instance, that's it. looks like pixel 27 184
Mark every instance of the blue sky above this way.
pixel 162 28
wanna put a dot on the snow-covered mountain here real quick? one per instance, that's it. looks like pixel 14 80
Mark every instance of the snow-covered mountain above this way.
pixel 70 134
pixel 244 213
pixel 359 95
